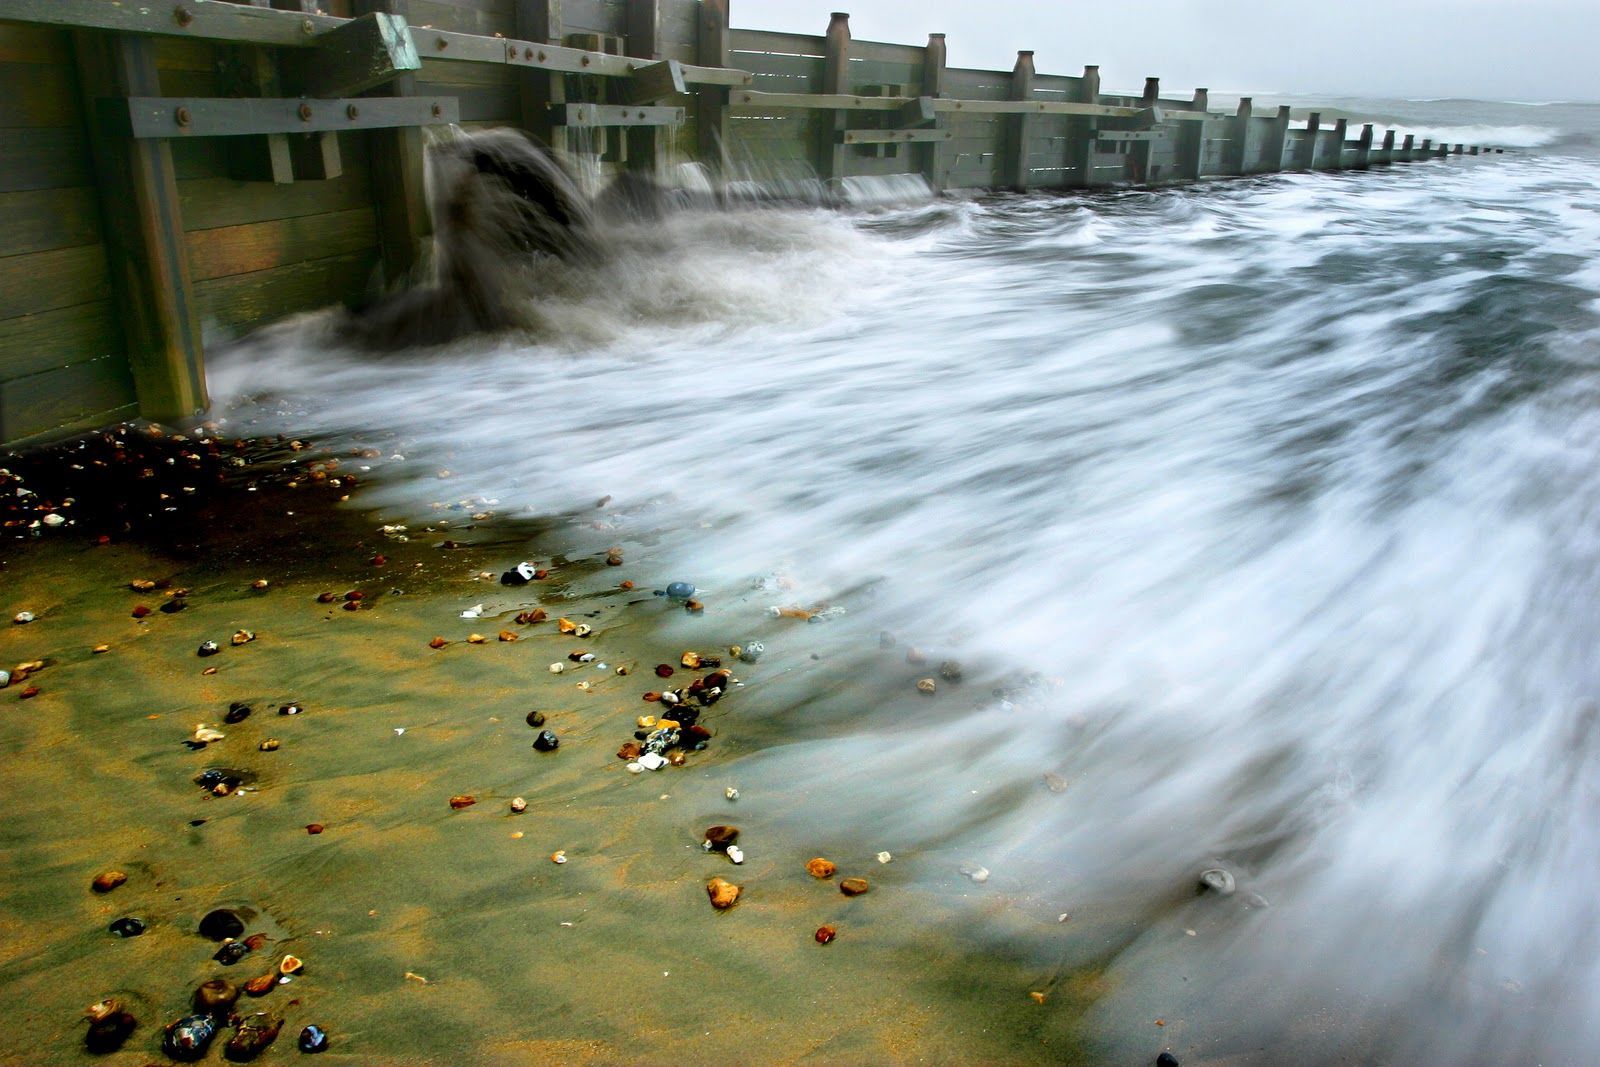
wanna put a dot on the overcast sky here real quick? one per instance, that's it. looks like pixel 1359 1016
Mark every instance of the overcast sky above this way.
pixel 1487 49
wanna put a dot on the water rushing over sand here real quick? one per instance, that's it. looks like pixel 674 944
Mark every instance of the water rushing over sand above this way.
pixel 1260 515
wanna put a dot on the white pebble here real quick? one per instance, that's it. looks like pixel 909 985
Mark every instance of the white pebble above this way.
pixel 22 617
pixel 884 857
pixel 557 668
pixel 731 793
pixel 735 853
pixel 635 768
pixel 652 761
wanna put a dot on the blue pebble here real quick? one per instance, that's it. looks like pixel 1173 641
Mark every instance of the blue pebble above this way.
pixel 313 1039
pixel 680 590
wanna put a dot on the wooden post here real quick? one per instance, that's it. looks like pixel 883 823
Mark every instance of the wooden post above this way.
pixel 1021 126
pixel 1277 142
pixel 399 184
pixel 540 21
pixel 145 243
pixel 1364 148
pixel 933 79
pixel 1409 151
pixel 646 144
pixel 1239 145
pixel 835 80
pixel 1308 148
pixel 1081 140
pixel 1341 130
pixel 1388 146
pixel 1152 91
pixel 1192 153
pixel 712 48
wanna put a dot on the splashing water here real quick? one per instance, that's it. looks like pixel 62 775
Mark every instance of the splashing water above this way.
pixel 1288 484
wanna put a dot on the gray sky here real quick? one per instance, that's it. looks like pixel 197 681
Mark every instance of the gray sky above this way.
pixel 1488 49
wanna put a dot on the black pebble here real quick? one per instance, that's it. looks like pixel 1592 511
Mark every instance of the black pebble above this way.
pixel 547 741
pixel 237 713
pixel 290 709
pixel 197 822
pixel 127 926
pixel 313 1039
pixel 512 578
pixel 1166 1059
pixel 210 648
pixel 109 1034
pixel 172 607
pixel 231 953
pixel 535 719
pixel 221 924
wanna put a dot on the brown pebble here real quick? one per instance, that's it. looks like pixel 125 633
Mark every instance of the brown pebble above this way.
pixel 100 649
pixel 255 941
pixel 216 995
pixel 459 802
pixel 540 575
pixel 143 585
pixel 106 881
pixel 720 837
pixel 209 671
pixel 269 745
pixel 352 605
pixel 927 686
pixel 29 693
pixel 566 626
pixel 826 934
pixel 140 611
pixel 626 585
pixel 1036 996
pixel 507 635
pixel 355 595
pixel 652 698
pixel 476 639
pixel 693 607
pixel 722 892
pixel 820 868
pixel 290 965
pixel 677 758
pixel 853 887
pixel 629 751
pixel 690 660
pixel 314 828
pixel 327 598
pixel 379 560
pixel 916 657
pixel 613 559
pixel 664 670
pixel 261 985
pixel 528 617
pixel 438 642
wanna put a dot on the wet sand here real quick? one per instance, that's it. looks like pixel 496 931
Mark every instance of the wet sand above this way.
pixel 432 935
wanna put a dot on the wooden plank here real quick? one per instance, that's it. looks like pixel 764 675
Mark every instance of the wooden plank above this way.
pixel 835 81
pixel 361 54
pixel 231 250
pixel 653 81
pixel 595 115
pixel 880 52
pixel 58 400
pixel 179 53
pixel 22 43
pixel 32 344
pixel 1021 131
pixel 43 158
pixel 792 44
pixel 144 117
pixel 245 301
pixel 461 18
pixel 712 47
pixel 36 220
pixel 149 266
pixel 892 136
pixel 62 277
pixel 35 95
pixel 398 183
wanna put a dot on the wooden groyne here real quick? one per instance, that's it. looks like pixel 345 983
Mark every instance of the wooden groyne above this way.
pixel 174 172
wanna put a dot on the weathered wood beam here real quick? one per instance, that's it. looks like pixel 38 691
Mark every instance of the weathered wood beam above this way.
pixel 399 182
pixel 541 88
pixel 352 58
pixel 835 82
pixel 596 115
pixel 754 101
pixel 1364 147
pixel 1239 145
pixel 144 234
pixel 712 49
pixel 167 116
pixel 1277 141
pixel 1192 146
pixel 1308 147
pixel 892 136
pixel 1021 132
pixel 1080 144
pixel 656 82
pixel 934 65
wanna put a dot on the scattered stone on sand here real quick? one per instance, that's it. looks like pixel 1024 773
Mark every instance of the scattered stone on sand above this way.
pixel 22 618
pixel 106 881
pixel 826 934
pixel 109 1027
pixel 1037 996
pixel 237 713
pixel 884 857
pixel 950 671
pixel 261 984
pixel 735 853
pixel 731 793
pixel 718 838
pixel 1218 880
pixel 507 635
pixel 127 926
pixel 221 924
pixel 231 952
pixel 438 642
pixel 976 872
pixel 629 751
pixel 547 741
pixel 535 719
pixel 518 805
pixel 1166 1059
pixel 566 626
pixel 215 997
pixel 188 1039
pixel 313 1039
pixel 1055 783
pixel 927 686
pixel 242 637
pixel 665 670
pixel 557 667
pixel 916 657
pixel 820 868
pixel 269 745
pixel 290 965
pixel 100 650
pixel 207 648
pixel 558 856
pixel 140 611
pixel 254 1033
pixel 528 618
pixel 853 887
pixel 314 828
pixel 290 709
pixel 476 639
pixel 462 801
pixel 723 893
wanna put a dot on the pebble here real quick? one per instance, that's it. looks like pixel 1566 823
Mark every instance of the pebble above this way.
pixel 127 926
pixel 1167 1059
pixel 254 1034
pixel 950 671
pixel 1217 880
pixel 231 952
pixel 22 618
pixel 188 1039
pixel 558 856
pixel 109 1027
pixel 290 709
pixel 535 719
pixel 566 626
pixel 437 642
pixel 853 887
pixel 5 679
pixel 314 828
pixel 215 997
pixel 664 670
pixel 313 1039
pixel 106 881
pixel 583 630
pixel 557 668
pixel 547 741
pixel 723 893
pixel 476 639
pixel 718 838
pixel 462 801
pixel 208 648
pixel 652 761
pixel 975 872
pixel 175 605
pixel 884 857
pixel 518 805
pixel 629 751
pixel 826 934
pixel 731 793
pixel 290 965
pixel 140 611
pixel 237 713
pixel 927 686
pixel 507 635
pixel 736 854
pixel 635 768
pixel 242 637
pixel 680 590
pixel 269 745
pixel 820 868
pixel 261 984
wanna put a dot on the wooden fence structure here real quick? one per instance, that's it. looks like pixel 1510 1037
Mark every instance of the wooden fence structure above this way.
pixel 174 172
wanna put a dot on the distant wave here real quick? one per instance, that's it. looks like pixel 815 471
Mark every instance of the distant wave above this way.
pixel 1502 136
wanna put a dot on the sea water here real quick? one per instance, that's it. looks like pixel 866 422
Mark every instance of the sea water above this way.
pixel 1263 516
